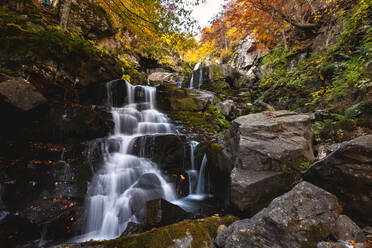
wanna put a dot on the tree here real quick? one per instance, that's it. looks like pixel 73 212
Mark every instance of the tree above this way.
pixel 158 24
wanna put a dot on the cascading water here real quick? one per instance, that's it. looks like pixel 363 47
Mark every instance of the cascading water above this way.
pixel 200 189
pixel 192 173
pixel 120 189
pixel 197 77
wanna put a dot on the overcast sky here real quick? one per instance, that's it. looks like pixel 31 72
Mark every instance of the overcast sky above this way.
pixel 206 11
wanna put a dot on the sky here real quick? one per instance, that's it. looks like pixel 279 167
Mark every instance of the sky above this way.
pixel 205 12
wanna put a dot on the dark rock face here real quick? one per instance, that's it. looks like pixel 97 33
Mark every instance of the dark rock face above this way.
pixel 300 218
pixel 170 152
pixel 40 191
pixel 347 173
pixel 160 212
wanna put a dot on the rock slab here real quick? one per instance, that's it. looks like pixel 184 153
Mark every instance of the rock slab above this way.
pixel 300 218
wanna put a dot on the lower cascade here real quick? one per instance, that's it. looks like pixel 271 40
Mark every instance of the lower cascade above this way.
pixel 124 183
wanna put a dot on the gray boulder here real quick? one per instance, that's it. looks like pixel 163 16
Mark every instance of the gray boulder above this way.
pixel 347 173
pixel 251 191
pixel 264 148
pixel 300 218
pixel 21 94
pixel 271 141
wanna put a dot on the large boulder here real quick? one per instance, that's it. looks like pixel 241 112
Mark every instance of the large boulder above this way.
pixel 300 218
pixel 251 191
pixel 266 150
pixel 271 141
pixel 19 93
pixel 347 173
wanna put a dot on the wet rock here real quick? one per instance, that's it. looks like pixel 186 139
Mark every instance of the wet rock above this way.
pixel 21 94
pixel 347 173
pixel 300 218
pixel 160 212
pixel 251 191
pixel 218 173
pixel 132 228
pixel 271 141
pixel 146 189
pixel 168 151
pixel 225 107
pixel 116 90
pixel 346 229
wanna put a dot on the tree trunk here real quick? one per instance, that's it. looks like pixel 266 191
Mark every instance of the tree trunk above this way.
pixel 64 13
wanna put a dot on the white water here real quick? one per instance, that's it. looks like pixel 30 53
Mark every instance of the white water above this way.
pixel 192 173
pixel 200 189
pixel 120 189
pixel 195 83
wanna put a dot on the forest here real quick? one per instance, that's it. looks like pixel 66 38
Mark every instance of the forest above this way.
pixel 133 124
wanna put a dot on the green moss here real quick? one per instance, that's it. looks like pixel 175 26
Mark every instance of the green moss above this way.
pixel 184 104
pixel 211 120
pixel 202 231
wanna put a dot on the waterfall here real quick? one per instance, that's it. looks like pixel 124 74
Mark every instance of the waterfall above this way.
pixel 124 183
pixel 197 75
pixel 200 189
pixel 192 173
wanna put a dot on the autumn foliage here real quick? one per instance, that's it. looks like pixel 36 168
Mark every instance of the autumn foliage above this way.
pixel 267 21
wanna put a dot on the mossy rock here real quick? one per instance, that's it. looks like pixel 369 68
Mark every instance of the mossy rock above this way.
pixel 185 104
pixel 200 233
